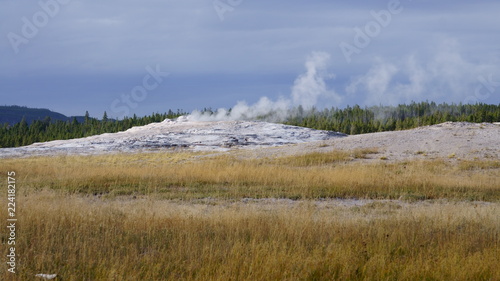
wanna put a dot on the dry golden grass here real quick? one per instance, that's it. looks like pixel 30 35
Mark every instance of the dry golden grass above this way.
pixel 314 175
pixel 180 216
pixel 85 238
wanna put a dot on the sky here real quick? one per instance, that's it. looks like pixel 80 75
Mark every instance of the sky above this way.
pixel 137 57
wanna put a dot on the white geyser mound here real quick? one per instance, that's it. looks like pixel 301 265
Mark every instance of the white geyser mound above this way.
pixel 180 133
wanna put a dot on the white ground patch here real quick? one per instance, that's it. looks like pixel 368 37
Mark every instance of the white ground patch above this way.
pixel 459 140
pixel 449 140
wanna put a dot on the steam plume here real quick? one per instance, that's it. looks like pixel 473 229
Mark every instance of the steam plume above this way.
pixel 307 89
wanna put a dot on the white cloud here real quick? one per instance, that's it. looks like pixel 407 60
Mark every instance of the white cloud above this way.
pixel 446 76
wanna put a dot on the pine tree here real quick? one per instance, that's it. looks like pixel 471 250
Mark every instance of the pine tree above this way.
pixel 87 117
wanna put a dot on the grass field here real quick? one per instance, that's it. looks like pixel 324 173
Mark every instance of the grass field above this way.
pixel 188 216
pixel 310 176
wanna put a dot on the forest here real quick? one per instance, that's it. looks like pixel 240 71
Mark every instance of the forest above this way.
pixel 44 130
pixel 356 120
pixel 349 120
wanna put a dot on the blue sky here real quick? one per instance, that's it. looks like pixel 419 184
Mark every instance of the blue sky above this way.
pixel 127 57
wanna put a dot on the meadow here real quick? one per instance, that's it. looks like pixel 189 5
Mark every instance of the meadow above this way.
pixel 202 216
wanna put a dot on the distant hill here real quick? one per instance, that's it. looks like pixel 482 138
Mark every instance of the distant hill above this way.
pixel 14 114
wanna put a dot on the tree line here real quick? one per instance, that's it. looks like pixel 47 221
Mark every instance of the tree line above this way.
pixel 349 120
pixel 357 120
pixel 44 130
